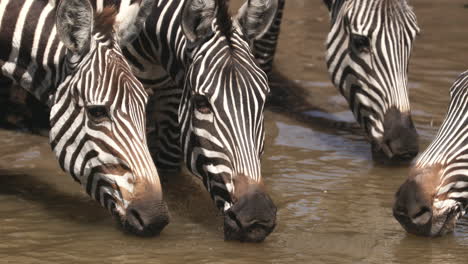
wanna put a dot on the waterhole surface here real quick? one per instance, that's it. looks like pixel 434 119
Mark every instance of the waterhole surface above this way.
pixel 334 202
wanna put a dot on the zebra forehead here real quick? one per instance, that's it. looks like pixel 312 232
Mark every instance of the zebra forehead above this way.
pixel 111 81
pixel 235 74
pixel 397 14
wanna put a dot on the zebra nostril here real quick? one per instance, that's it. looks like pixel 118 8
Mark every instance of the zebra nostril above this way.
pixel 408 155
pixel 146 219
pixel 114 212
pixel 422 217
pixel 400 210
pixel 422 211
pixel 387 148
pixel 137 218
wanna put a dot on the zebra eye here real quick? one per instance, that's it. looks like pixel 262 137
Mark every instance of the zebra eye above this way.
pixel 201 104
pixel 360 43
pixel 98 113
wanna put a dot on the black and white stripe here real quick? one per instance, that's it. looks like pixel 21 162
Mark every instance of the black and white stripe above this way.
pixel 264 48
pixel 69 57
pixel 221 77
pixel 368 51
pixel 209 95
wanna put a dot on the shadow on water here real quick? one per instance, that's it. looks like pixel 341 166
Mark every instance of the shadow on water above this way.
pixel 415 249
pixel 21 111
pixel 287 98
pixel 186 198
pixel 60 204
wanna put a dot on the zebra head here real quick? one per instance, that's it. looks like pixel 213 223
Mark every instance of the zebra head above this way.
pixel 98 121
pixel 368 51
pixel 435 195
pixel 221 113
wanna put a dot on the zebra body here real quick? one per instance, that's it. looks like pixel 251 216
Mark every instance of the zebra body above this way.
pixel 435 195
pixel 68 56
pixel 208 100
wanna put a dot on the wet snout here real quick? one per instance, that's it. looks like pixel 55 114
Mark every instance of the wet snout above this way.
pixel 413 209
pixel 400 139
pixel 252 217
pixel 146 218
pixel 147 213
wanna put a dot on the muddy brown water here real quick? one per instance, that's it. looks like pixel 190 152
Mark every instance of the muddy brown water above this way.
pixel 334 202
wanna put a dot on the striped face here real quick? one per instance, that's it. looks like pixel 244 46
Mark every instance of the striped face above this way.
pixel 368 51
pixel 435 195
pixel 222 117
pixel 98 130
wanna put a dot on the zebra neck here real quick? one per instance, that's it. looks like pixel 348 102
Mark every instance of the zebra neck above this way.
pixel 264 49
pixel 161 47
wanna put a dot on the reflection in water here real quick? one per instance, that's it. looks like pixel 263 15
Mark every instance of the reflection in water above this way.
pixel 334 203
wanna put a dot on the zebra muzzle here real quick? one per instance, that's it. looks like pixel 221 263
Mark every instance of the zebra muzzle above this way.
pixel 252 218
pixel 400 138
pixel 142 218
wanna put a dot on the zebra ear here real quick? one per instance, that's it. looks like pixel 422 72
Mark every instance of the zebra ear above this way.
pixel 131 19
pixel 256 17
pixel 197 16
pixel 74 22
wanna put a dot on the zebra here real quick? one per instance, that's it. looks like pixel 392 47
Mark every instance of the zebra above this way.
pixel 368 51
pixel 367 54
pixel 435 194
pixel 208 103
pixel 68 56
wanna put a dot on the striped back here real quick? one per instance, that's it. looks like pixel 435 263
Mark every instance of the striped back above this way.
pixel 435 195
pixel 368 51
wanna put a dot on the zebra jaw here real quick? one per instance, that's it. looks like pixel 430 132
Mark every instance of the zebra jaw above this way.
pixel 445 217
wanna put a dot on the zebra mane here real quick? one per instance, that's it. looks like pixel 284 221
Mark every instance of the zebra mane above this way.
pixel 104 21
pixel 223 18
